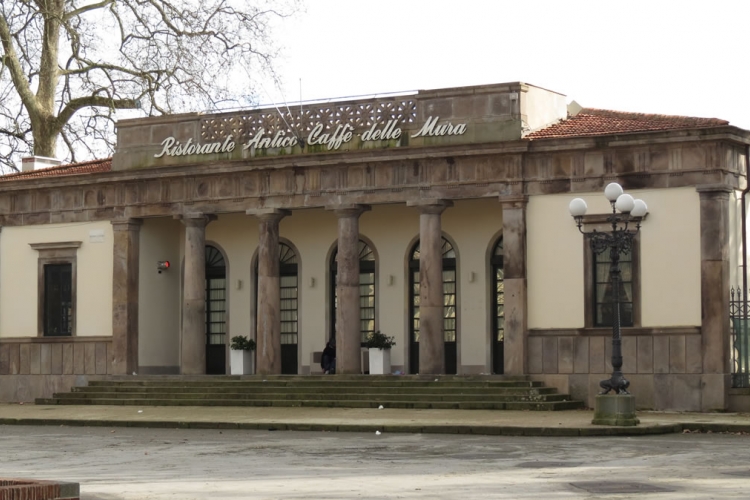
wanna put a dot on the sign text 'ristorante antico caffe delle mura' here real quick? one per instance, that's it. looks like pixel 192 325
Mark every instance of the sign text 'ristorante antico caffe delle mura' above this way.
pixel 317 137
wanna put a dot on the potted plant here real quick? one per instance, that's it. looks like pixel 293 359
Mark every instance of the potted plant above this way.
pixel 241 356
pixel 379 349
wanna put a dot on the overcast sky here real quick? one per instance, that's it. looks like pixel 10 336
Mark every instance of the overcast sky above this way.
pixel 671 57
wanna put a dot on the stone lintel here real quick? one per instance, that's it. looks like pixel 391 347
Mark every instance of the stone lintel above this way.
pixel 126 224
pixel 269 214
pixel 715 188
pixel 514 201
pixel 195 218
pixel 430 205
pixel 345 210
pixel 61 245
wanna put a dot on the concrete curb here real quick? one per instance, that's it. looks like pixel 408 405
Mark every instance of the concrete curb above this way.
pixel 641 430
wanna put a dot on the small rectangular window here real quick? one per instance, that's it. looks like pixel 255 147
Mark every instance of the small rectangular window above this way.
pixel 58 300
pixel 603 303
pixel 599 308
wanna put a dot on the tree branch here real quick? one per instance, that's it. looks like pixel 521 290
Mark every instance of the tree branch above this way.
pixel 10 60
pixel 86 8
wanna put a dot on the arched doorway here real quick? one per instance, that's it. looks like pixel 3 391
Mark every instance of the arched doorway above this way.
pixel 216 311
pixel 498 315
pixel 449 308
pixel 288 306
pixel 366 291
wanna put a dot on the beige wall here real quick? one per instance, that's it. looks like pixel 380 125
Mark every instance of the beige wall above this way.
pixel 542 108
pixel 474 226
pixel 236 235
pixel 554 267
pixel 670 259
pixel 159 294
pixel 19 277
pixel 313 234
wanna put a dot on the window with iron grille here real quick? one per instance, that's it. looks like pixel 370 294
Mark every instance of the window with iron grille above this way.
pixel 56 287
pixel 289 294
pixel 599 297
pixel 58 300
pixel 603 304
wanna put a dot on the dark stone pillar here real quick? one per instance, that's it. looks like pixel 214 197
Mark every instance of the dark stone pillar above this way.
pixel 268 332
pixel 348 333
pixel 514 269
pixel 126 245
pixel 714 210
pixel 193 345
pixel 431 327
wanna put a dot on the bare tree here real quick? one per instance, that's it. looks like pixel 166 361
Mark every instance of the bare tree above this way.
pixel 68 65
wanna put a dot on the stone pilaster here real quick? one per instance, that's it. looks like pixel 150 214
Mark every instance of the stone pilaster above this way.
pixel 193 335
pixel 514 271
pixel 126 247
pixel 348 333
pixel 714 217
pixel 268 333
pixel 431 327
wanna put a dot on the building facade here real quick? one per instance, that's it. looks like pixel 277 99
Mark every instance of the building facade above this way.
pixel 438 217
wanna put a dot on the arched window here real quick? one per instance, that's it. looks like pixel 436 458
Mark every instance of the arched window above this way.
pixel 449 308
pixel 216 311
pixel 288 306
pixel 366 291
pixel 498 315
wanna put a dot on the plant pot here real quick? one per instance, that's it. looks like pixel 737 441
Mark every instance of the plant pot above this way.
pixel 241 362
pixel 380 361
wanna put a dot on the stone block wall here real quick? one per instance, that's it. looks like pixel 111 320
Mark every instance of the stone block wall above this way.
pixel 664 367
pixel 38 367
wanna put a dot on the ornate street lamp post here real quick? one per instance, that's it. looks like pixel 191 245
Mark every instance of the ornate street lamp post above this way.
pixel 625 222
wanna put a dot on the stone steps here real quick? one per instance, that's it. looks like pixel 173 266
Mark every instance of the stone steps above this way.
pixel 259 389
pixel 445 405
pixel 348 391
pixel 310 396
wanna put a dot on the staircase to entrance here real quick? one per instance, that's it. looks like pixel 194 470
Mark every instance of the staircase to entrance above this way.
pixel 330 391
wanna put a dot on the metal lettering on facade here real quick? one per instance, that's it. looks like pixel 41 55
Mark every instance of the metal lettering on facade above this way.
pixel 318 136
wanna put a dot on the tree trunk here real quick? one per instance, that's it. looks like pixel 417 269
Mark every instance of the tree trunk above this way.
pixel 44 125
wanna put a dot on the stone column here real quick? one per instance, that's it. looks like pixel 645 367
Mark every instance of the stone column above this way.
pixel 268 332
pixel 431 326
pixel 514 270
pixel 193 336
pixel 348 332
pixel 126 247
pixel 714 210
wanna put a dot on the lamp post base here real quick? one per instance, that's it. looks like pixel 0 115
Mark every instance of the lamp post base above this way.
pixel 615 409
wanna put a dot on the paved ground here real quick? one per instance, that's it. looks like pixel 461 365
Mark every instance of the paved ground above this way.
pixel 565 423
pixel 127 463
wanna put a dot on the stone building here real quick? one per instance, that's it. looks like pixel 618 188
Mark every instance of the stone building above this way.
pixel 296 225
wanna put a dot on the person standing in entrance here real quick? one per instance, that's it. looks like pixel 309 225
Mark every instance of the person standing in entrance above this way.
pixel 328 359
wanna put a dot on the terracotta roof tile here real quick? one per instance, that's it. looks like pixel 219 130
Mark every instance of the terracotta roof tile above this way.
pixel 87 167
pixel 591 122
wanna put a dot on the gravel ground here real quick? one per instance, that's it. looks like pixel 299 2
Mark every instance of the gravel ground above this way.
pixel 123 463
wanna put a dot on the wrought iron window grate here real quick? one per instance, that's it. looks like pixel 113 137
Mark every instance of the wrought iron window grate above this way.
pixel 740 337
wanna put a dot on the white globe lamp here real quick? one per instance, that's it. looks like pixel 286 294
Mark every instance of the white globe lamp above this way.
pixel 578 207
pixel 612 191
pixel 625 203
